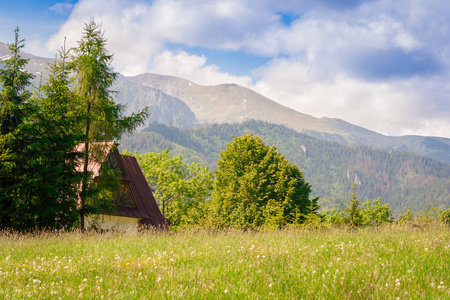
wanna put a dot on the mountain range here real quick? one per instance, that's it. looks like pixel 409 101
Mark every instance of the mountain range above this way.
pixel 400 178
pixel 231 103
pixel 197 121
pixel 181 103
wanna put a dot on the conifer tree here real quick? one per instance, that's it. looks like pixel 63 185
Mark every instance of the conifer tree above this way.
pixel 353 210
pixel 51 136
pixel 14 108
pixel 103 119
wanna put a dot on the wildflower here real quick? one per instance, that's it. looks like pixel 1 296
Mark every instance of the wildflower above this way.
pixel 158 279
pixel 270 285
pixel 225 291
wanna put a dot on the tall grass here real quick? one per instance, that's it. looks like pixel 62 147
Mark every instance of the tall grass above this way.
pixel 390 262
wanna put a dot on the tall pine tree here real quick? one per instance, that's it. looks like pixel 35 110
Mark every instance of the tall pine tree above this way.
pixel 15 107
pixel 52 135
pixel 103 119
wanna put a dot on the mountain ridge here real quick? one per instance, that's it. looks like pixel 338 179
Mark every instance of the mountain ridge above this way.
pixel 235 104
pixel 182 103
pixel 399 178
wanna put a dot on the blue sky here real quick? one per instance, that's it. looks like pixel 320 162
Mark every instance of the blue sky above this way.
pixel 380 64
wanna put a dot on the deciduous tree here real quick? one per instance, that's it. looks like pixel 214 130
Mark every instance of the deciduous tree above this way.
pixel 256 185
pixel 181 190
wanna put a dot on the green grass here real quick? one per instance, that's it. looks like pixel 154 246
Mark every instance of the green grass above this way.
pixel 387 263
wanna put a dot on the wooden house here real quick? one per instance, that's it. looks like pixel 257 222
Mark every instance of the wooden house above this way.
pixel 134 201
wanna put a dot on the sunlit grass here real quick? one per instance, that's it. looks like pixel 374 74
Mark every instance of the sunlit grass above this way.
pixel 384 263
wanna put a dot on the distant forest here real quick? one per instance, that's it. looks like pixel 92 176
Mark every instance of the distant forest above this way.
pixel 400 178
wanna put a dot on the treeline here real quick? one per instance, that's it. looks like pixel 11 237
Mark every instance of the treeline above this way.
pixel 400 178
pixel 254 187
pixel 50 135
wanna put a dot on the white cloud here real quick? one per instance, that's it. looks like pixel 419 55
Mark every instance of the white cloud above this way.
pixel 194 68
pixel 61 7
pixel 321 62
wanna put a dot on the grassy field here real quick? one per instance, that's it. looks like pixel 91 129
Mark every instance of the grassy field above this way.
pixel 387 263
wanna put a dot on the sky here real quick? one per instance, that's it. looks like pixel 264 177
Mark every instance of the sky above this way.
pixel 380 64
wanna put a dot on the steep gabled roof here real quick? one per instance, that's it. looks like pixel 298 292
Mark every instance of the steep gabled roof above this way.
pixel 140 200
pixel 147 207
pixel 95 159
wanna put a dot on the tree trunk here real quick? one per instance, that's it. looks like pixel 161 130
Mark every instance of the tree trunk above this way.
pixel 85 171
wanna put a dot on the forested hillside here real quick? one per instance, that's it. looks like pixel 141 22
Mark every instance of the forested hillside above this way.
pixel 400 178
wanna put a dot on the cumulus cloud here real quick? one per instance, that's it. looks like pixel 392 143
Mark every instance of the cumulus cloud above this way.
pixel 194 67
pixel 380 64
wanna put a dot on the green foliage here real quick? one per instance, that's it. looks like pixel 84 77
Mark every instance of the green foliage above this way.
pixel 181 190
pixel 400 178
pixel 15 108
pixel 102 118
pixel 335 218
pixel 425 217
pixel 41 177
pixel 255 185
pixel 353 211
pixel 39 132
pixel 406 218
pixel 444 216
pixel 375 213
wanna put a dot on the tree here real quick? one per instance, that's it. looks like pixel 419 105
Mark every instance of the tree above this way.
pixel 102 118
pixel 375 213
pixel 256 185
pixel 50 167
pixel 353 211
pixel 181 190
pixel 15 107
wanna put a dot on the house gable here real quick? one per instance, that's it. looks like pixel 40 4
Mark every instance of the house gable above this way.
pixel 135 198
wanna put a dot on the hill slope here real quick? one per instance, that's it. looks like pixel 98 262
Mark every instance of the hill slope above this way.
pixel 400 178
pixel 230 103
pixel 184 104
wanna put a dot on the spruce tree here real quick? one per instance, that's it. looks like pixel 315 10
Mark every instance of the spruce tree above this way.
pixel 51 176
pixel 14 108
pixel 103 119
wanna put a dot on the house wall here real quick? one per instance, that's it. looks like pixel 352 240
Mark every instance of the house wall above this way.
pixel 112 222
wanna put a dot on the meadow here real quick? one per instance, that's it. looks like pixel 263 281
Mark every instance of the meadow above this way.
pixel 390 262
